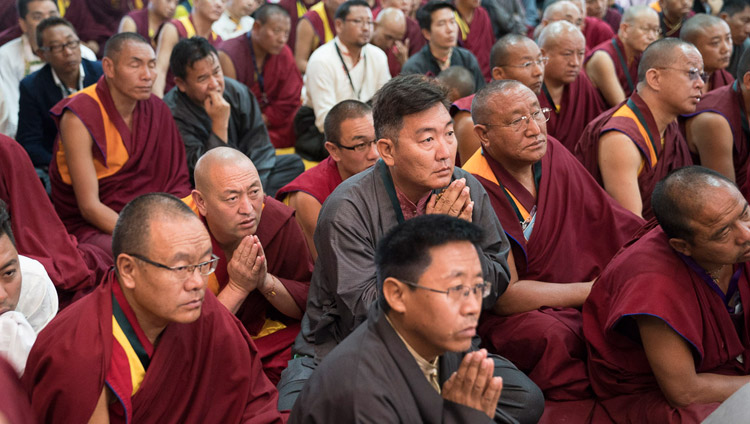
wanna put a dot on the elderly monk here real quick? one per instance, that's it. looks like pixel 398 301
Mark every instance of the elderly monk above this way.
pixel 594 30
pixel 567 91
pixel 262 61
pixel 535 186
pixel 736 13
pixel 613 65
pixel 416 176
pixel 390 29
pixel 413 40
pixel 718 132
pixel 203 15
pixel 712 37
pixel 411 353
pixel 315 28
pixel 115 141
pixel 148 21
pixel 664 323
pixel 673 14
pixel 350 142
pixel 635 144
pixel 150 344
pixel 475 32
pixel 513 57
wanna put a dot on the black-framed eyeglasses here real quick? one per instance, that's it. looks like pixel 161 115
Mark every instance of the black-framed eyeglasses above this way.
pixel 359 148
pixel 57 48
pixel 458 292
pixel 519 124
pixel 542 61
pixel 185 271
pixel 360 22
pixel 692 73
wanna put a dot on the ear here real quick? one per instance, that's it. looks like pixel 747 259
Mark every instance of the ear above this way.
pixel 127 270
pixel 333 150
pixel 386 149
pixel 543 52
pixel 22 24
pixel 339 23
pixel 180 83
pixel 108 66
pixel 653 79
pixel 256 27
pixel 724 15
pixel 393 291
pixel 426 35
pixel 498 73
pixel 746 81
pixel 481 132
pixel 200 202
pixel 681 246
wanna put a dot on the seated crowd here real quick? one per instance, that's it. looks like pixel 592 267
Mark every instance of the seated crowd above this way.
pixel 224 211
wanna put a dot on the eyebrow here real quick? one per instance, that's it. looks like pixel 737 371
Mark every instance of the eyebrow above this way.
pixel 9 263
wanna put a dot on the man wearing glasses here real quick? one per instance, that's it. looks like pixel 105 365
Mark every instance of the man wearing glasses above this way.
pixel 631 147
pixel 537 189
pixel 411 352
pixel 149 343
pixel 350 142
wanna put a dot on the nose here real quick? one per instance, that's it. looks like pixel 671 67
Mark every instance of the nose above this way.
pixel 726 45
pixel 443 150
pixel 533 127
pixel 471 305
pixel 372 153
pixel 245 205
pixel 196 281
pixel 537 69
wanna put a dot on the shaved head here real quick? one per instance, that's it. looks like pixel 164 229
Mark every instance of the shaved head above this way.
pixel 116 43
pixel 458 80
pixel 562 10
pixel 391 16
pixel 557 31
pixel 481 112
pixel 222 157
pixel 696 26
pixel 634 13
pixel 662 53
pixel 506 45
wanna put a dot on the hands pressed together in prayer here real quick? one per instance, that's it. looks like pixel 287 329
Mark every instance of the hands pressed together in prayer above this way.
pixel 248 267
pixel 474 385
pixel 218 110
pixel 454 201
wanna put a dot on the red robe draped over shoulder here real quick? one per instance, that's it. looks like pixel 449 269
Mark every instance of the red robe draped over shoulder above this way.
pixel 649 278
pixel 659 157
pixel 579 105
pixel 718 79
pixel 319 181
pixel 573 212
pixel 596 31
pixel 626 75
pixel 148 158
pixel 201 372
pixel 279 97
pixel 73 267
pixel 14 402
pixel 478 38
pixel 321 20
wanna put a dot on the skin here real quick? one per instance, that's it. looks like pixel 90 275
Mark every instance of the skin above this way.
pixel 517 152
pixel 129 76
pixel 239 8
pixel 562 11
pixel 10 275
pixel 715 45
pixel 739 25
pixel 230 196
pixel 204 85
pixel 159 12
pixel 432 324
pixel 596 8
pixel 566 55
pixel 306 40
pixel 721 227
pixel 354 35
pixel 390 29
pixel 37 12
pixel 353 131
pixel 466 9
pixel 67 62
pixel 675 10
pixel 668 93
pixel 443 33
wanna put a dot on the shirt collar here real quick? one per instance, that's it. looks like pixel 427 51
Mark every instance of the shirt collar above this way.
pixel 67 91
pixel 429 369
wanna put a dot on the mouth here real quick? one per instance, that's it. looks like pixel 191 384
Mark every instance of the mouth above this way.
pixel 193 304
pixel 247 224
pixel 468 332
pixel 444 171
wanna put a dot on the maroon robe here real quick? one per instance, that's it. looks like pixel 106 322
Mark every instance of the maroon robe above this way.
pixel 672 31
pixel 279 96
pixel 572 213
pixel 659 159
pixel 73 267
pixel 289 260
pixel 319 181
pixel 204 371
pixel 97 20
pixel 613 19
pixel 719 78
pixel 479 40
pixel 10 33
pixel 626 75
pixel 414 35
pixel 579 104
pixel 14 402
pixel 318 25
pixel 394 66
pixel 462 104
pixel 596 31
pixel 291 8
pixel 727 101
pixel 156 160
pixel 649 278
pixel 8 15
pixel 140 17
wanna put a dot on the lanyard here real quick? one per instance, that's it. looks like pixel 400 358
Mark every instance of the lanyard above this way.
pixel 264 98
pixel 549 98
pixel 346 69
pixel 624 64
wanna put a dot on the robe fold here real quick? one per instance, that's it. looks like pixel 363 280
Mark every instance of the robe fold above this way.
pixel 719 78
pixel 580 104
pixel 288 259
pixel 14 402
pixel 572 212
pixel 644 279
pixel 96 20
pixel 321 20
pixel 148 158
pixel 296 9
pixel 319 181
pixel 140 17
pixel 478 38
pixel 204 371
pixel 595 31
pixel 73 267
pixel 659 156
pixel 414 35
pixel 462 105
pixel 277 88
pixel 627 75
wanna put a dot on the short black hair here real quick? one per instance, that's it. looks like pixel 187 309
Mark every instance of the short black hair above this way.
pixel 5 227
pixel 50 22
pixel 677 197
pixel 188 51
pixel 402 96
pixel 659 54
pixel 404 253
pixel 347 109
pixel 424 14
pixel 263 13
pixel 113 47
pixel 730 7
pixel 132 230
pixel 23 7
pixel 343 11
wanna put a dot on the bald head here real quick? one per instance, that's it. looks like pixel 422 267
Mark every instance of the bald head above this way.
pixel 507 45
pixel 481 110
pixel 697 26
pixel 662 53
pixel 562 11
pixel 390 16
pixel 215 161
pixel 115 44
pixel 558 31
pixel 634 14
pixel 390 26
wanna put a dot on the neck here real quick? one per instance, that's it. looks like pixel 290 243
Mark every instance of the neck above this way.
pixel 234 14
pixel 354 51
pixel 671 21
pixel 629 53
pixel 202 25
pixel 425 351
pixel 440 52
pixel 70 79
pixel 414 194
pixel 523 173
pixel 721 274
pixel 154 20
pixel 662 116
pixel 151 326
pixel 124 105
pixel 344 175
pixel 466 12
pixel 32 44
pixel 260 53
pixel 555 89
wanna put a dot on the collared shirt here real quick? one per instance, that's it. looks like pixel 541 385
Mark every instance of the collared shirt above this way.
pixel 64 89
pixel 429 369
pixel 408 208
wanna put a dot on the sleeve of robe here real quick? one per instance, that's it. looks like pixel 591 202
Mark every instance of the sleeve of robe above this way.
pixel 287 99
pixel 14 402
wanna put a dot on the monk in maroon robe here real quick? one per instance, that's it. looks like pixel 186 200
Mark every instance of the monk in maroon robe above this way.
pixel 75 268
pixel 673 16
pixel 567 91
pixel 413 39
pixel 627 149
pixel 148 21
pixel 315 28
pixel 549 206
pixel 95 20
pixel 595 31
pixel 14 403
pixel 149 344
pixel 713 38
pixel 476 33
pixel 296 9
pixel 667 337
pixel 388 34
pixel 106 155
pixel 265 267
pixel 261 60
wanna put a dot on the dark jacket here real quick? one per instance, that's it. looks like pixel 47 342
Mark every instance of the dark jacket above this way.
pixel 424 63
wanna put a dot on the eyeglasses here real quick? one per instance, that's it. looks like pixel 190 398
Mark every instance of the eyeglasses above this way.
pixel 692 73
pixel 360 22
pixel 655 30
pixel 185 271
pixel 57 48
pixel 458 292
pixel 519 124
pixel 542 61
pixel 359 148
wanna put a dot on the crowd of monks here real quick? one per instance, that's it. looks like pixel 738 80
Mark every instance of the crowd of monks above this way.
pixel 599 149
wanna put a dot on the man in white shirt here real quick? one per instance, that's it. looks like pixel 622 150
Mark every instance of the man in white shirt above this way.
pixel 347 67
pixel 236 19
pixel 18 59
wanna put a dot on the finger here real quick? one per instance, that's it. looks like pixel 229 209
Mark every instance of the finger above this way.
pixel 453 191
pixel 447 388
pixel 472 370
pixel 467 212
pixel 460 202
pixel 431 204
pixel 484 375
pixel 492 395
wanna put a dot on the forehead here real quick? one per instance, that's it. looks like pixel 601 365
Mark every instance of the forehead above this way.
pixel 206 64
pixel 441 14
pixel 516 100
pixel 58 31
pixel 719 207
pixel 525 49
pixel 41 6
pixel 359 12
pixel 354 127
pixel 277 19
pixel 436 117
pixel 716 30
pixel 233 176
pixel 647 17
pixel 689 55
pixel 458 258
pixel 171 235
pixel 571 40
pixel 135 50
